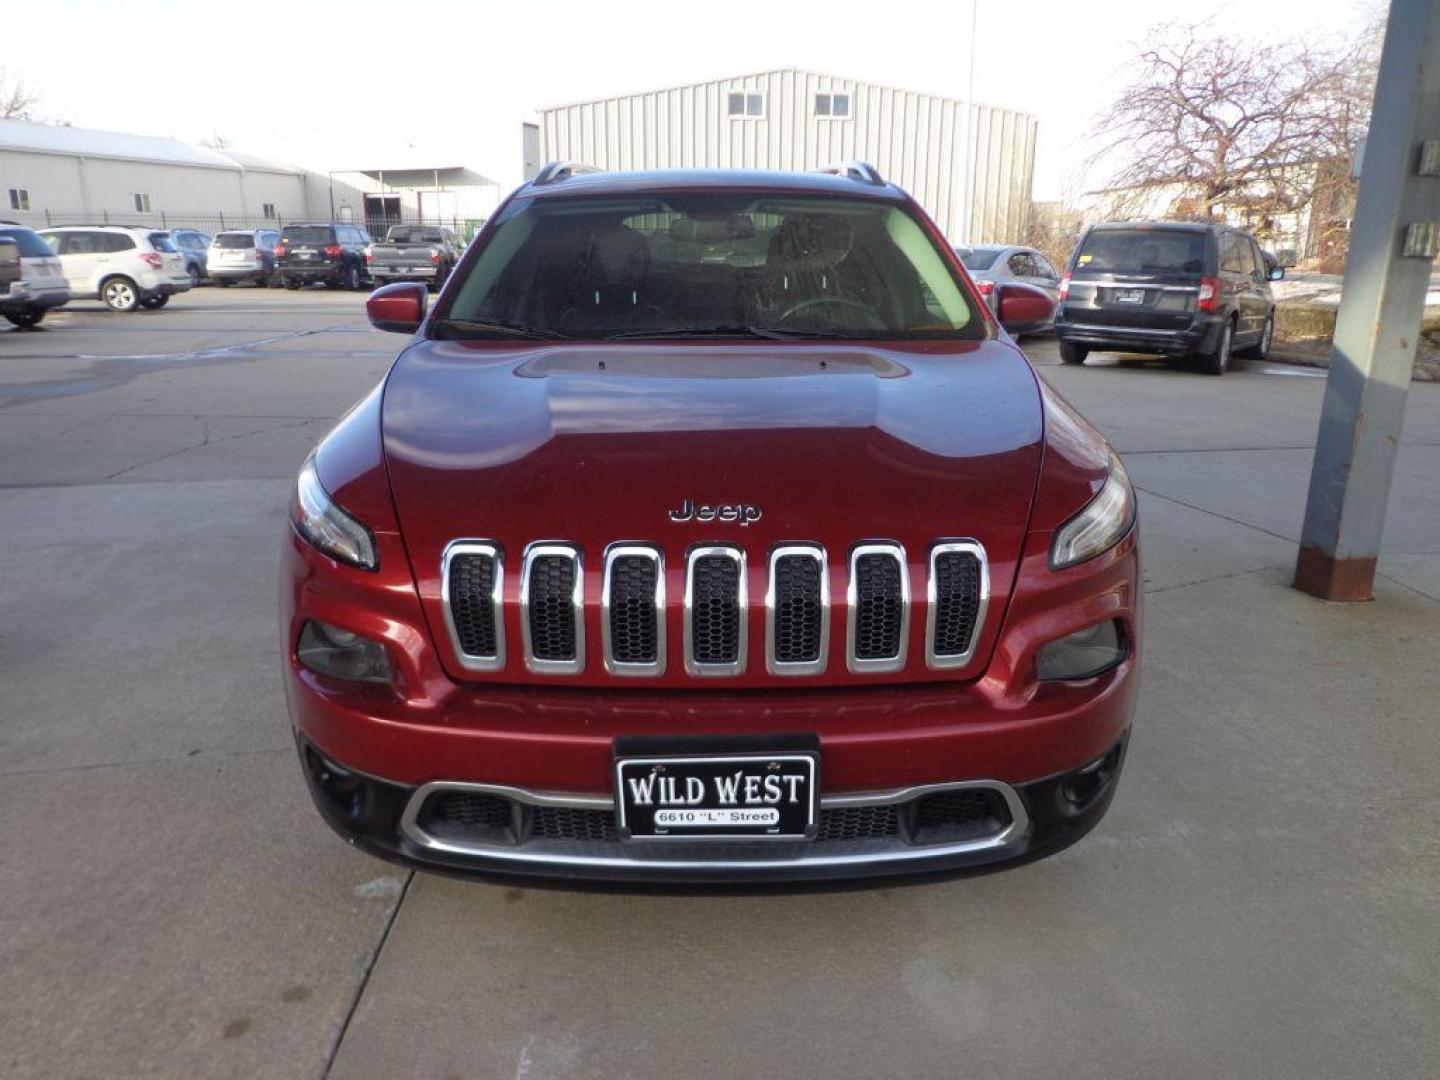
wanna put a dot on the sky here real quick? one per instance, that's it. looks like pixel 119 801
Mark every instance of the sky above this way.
pixel 349 85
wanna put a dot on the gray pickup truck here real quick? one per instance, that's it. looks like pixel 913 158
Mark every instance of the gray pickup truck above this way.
pixel 415 253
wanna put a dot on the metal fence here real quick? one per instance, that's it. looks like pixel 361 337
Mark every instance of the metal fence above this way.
pixel 464 228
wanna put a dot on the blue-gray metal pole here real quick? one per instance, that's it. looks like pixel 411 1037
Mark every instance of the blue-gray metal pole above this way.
pixel 1387 273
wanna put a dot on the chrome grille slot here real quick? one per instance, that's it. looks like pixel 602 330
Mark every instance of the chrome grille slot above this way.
pixel 551 606
pixel 879 608
pixel 632 610
pixel 715 609
pixel 471 580
pixel 958 590
pixel 797 611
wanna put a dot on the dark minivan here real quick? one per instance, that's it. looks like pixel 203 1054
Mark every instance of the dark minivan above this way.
pixel 334 254
pixel 1170 288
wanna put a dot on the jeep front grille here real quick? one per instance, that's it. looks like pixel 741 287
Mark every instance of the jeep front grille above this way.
pixel 879 607
pixel 632 610
pixel 716 624
pixel 715 608
pixel 551 609
pixel 471 580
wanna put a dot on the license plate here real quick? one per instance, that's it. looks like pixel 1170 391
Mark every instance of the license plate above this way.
pixel 735 796
pixel 1129 296
pixel 305 254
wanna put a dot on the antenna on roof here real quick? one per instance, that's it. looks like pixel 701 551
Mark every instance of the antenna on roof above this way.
pixel 562 170
pixel 855 170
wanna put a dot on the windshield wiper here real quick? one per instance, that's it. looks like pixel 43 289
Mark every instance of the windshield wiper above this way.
pixel 767 332
pixel 480 328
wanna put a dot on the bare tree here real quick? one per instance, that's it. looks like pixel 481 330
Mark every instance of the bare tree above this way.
pixel 1225 118
pixel 16 98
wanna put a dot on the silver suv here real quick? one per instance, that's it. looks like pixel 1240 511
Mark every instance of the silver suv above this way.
pixel 128 268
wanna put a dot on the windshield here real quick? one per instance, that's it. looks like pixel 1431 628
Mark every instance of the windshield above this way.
pixel 698 263
pixel 414 234
pixel 978 258
pixel 234 240
pixel 1143 251
pixel 308 234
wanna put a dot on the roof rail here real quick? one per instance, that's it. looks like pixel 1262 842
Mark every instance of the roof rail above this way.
pixel 855 170
pixel 562 170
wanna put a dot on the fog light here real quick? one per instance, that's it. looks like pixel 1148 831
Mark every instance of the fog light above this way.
pixel 342 654
pixel 1083 654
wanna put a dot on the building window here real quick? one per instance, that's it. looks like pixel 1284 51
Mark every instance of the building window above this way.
pixel 19 199
pixel 268 209
pixel 142 202
pixel 833 106
pixel 747 103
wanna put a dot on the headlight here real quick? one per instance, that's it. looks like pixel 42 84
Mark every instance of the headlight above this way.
pixel 342 654
pixel 328 527
pixel 1100 526
pixel 1083 654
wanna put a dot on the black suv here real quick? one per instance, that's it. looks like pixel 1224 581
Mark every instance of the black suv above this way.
pixel 334 254
pixel 1167 287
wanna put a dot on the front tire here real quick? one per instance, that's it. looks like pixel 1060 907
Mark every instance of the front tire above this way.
pixel 120 294
pixel 194 273
pixel 1218 362
pixel 1071 353
pixel 291 283
pixel 351 281
pixel 25 318
pixel 223 282
pixel 155 303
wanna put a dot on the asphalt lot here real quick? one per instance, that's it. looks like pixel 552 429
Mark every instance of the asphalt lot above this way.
pixel 1260 902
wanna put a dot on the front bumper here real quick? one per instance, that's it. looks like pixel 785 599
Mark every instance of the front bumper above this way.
pixel 570 839
pixel 1199 337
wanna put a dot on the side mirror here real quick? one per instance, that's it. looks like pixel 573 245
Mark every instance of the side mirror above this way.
pixel 1022 305
pixel 399 307
pixel 1276 273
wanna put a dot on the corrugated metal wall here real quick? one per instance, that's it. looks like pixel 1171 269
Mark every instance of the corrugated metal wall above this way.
pixel 916 140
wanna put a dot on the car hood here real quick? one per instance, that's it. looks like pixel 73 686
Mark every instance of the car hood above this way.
pixel 598 444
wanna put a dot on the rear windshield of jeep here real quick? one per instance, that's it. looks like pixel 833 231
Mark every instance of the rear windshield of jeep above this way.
pixel 710 264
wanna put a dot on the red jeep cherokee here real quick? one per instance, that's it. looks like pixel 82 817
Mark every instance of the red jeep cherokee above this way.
pixel 710 530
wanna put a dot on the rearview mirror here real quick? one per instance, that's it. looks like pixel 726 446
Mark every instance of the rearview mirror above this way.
pixel 1276 273
pixel 1020 306
pixel 399 307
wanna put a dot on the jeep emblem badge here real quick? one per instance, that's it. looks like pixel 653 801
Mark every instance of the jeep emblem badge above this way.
pixel 733 513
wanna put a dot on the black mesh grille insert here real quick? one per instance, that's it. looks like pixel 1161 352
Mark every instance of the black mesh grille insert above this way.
pixel 957 601
pixel 462 815
pixel 859 823
pixel 572 823
pixel 552 610
pixel 472 577
pixel 959 814
pixel 798 613
pixel 715 610
pixel 632 609
pixel 879 612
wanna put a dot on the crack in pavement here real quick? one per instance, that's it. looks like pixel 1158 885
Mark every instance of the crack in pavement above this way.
pixel 190 755
pixel 1216 513
pixel 205 440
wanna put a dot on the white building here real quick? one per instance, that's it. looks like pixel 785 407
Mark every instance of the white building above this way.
pixel 51 175
pixel 970 167
pixel 456 196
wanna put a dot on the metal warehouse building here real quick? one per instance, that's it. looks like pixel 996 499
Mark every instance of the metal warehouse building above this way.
pixel 792 119
pixel 51 174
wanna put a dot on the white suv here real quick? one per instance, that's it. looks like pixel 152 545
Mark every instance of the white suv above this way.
pixel 127 268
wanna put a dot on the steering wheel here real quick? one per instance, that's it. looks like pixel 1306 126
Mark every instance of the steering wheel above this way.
pixel 871 318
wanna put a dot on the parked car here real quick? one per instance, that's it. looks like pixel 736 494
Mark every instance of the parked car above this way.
pixel 1169 288
pixel 195 246
pixel 994 264
pixel 40 285
pixel 425 253
pixel 243 255
pixel 775 541
pixel 126 268
pixel 333 254
pixel 9 265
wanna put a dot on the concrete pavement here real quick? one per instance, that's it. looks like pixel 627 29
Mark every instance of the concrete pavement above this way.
pixel 1261 900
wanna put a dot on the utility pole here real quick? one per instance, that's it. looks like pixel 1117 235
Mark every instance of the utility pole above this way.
pixel 1387 274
